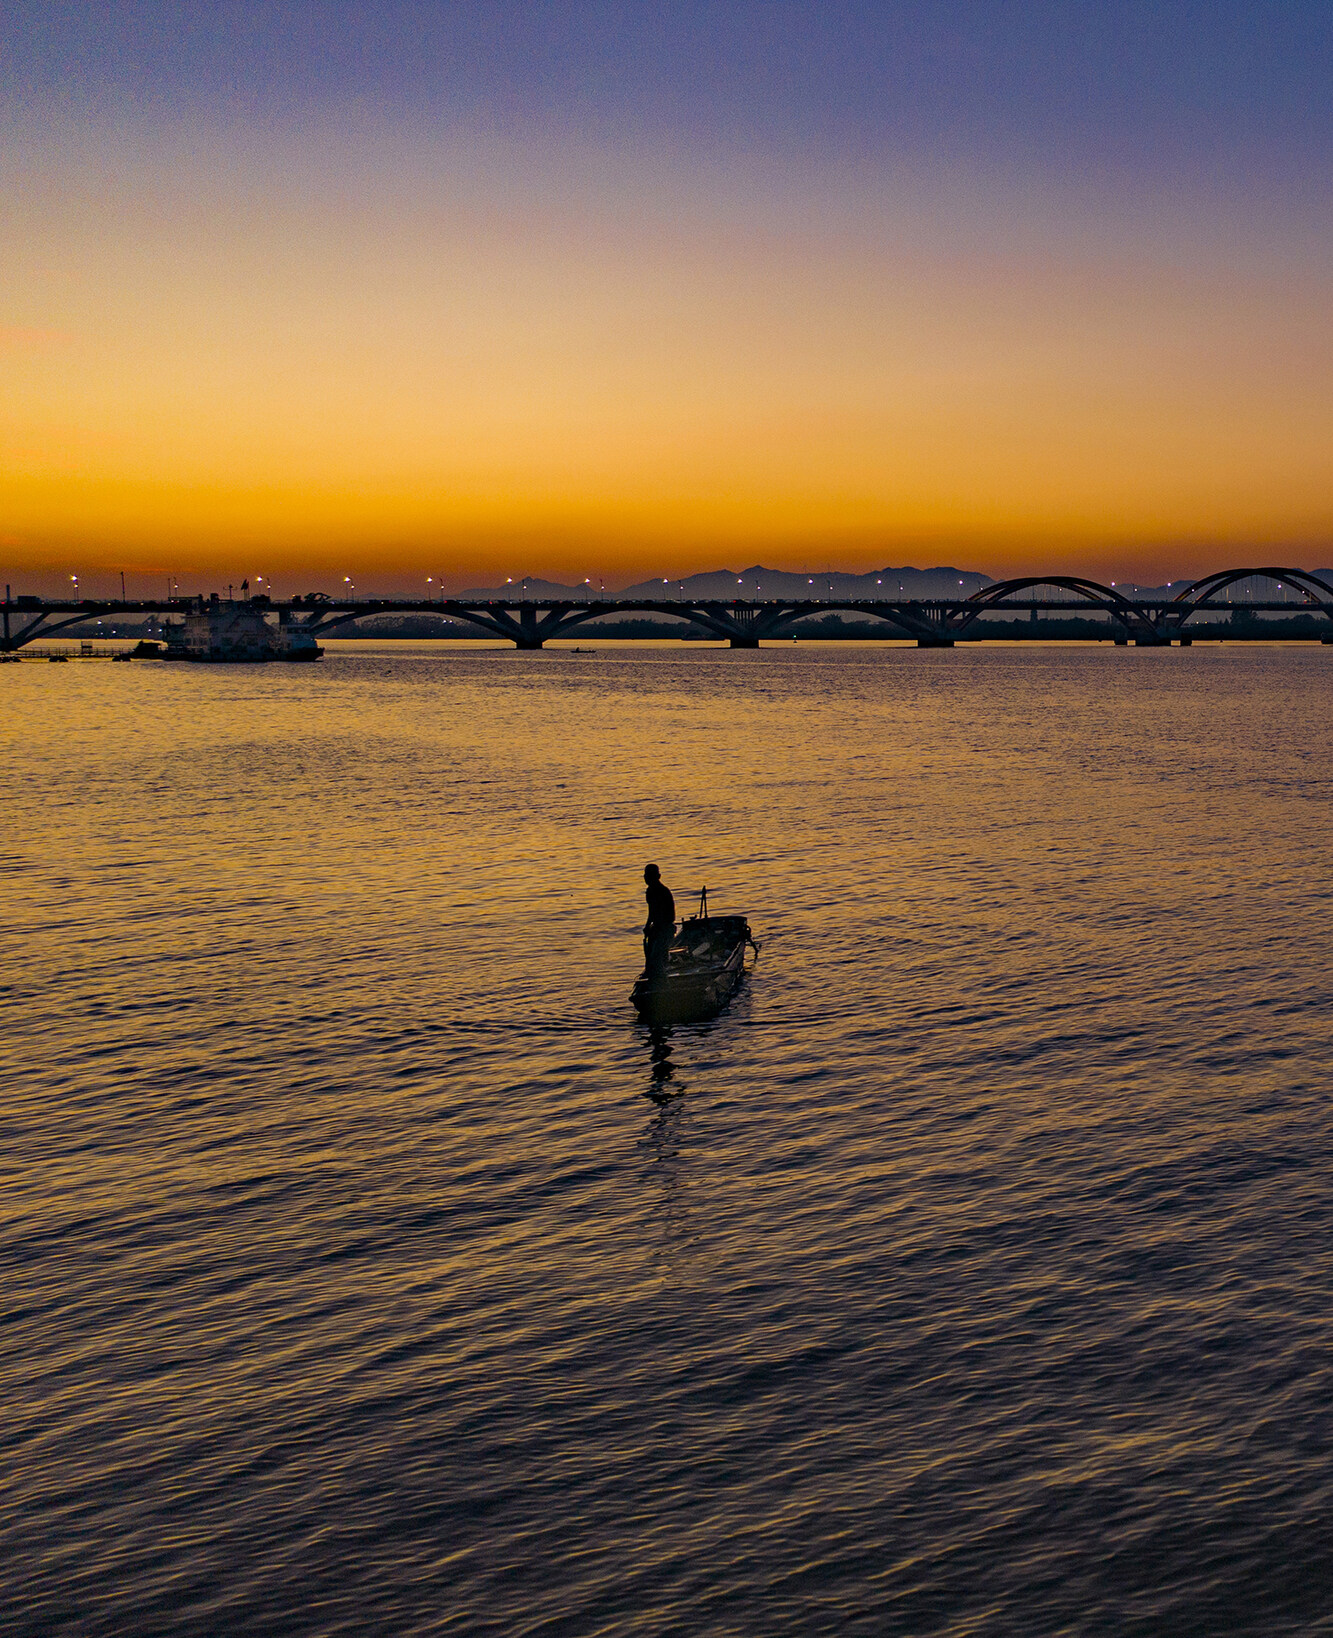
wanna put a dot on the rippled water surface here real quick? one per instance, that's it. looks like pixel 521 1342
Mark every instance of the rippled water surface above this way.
pixel 367 1266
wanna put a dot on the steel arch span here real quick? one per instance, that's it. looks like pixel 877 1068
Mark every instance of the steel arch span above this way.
pixel 1093 592
pixel 1317 593
pixel 42 626
pixel 907 623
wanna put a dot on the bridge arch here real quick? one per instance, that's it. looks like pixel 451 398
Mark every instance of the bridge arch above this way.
pixel 1317 593
pixel 528 624
pixel 1092 592
pixel 903 624
pixel 495 623
pixel 687 613
pixel 43 626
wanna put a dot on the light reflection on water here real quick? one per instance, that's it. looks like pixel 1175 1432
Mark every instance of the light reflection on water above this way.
pixel 369 1266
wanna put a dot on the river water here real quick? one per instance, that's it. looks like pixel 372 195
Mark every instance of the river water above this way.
pixel 367 1266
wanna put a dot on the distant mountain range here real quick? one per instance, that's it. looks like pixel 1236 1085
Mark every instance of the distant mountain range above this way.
pixel 760 582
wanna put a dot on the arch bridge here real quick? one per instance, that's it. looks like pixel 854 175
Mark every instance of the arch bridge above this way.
pixel 529 623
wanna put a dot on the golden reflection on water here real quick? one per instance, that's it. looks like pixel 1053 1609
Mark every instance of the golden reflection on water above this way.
pixel 367 1260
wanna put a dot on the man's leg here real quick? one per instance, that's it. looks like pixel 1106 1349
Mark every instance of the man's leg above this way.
pixel 658 951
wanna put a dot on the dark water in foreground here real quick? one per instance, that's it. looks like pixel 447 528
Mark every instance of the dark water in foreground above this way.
pixel 368 1268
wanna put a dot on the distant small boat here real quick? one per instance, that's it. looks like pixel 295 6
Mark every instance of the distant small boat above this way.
pixel 705 965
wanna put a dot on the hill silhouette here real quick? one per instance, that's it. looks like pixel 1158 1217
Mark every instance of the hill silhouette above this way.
pixel 761 582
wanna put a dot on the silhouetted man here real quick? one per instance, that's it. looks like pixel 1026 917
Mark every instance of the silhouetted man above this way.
pixel 660 928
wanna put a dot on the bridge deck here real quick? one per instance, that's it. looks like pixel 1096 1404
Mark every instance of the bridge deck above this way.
pixel 1209 608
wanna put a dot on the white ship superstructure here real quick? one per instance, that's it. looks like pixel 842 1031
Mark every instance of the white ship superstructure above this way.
pixel 220 629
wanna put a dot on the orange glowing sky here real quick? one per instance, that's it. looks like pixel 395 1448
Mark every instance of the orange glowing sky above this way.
pixel 347 347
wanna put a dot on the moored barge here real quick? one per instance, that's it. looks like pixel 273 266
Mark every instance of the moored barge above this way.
pixel 220 631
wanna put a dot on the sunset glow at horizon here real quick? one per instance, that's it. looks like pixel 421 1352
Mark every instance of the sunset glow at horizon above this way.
pixel 433 316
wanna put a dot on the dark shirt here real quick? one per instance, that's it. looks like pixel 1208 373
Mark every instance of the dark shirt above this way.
pixel 661 908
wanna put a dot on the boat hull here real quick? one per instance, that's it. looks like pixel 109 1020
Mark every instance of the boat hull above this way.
pixel 705 967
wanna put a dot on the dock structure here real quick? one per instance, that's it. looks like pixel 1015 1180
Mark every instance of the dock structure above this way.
pixel 1190 614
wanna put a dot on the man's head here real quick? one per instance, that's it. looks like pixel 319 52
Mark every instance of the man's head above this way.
pixel 651 874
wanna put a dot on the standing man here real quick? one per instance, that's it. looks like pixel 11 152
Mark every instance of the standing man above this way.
pixel 660 928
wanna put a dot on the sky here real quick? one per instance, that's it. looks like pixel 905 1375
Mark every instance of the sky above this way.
pixel 467 291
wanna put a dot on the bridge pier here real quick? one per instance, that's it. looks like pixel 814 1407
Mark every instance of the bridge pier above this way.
pixel 745 642
pixel 934 642
pixel 527 638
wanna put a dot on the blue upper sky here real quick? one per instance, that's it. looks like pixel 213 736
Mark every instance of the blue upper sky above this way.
pixel 1218 85
pixel 635 288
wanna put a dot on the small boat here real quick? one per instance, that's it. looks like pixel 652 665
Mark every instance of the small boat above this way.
pixel 705 964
